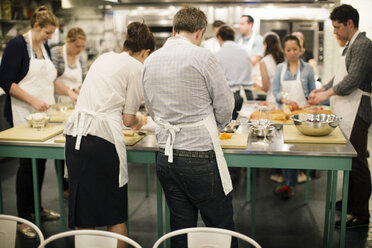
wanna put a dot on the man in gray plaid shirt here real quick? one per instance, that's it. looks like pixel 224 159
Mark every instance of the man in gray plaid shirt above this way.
pixel 350 97
pixel 187 95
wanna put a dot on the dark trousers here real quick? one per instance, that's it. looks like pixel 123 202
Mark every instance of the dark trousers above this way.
pixel 239 102
pixel 360 176
pixel 191 185
pixel 24 186
pixel 290 177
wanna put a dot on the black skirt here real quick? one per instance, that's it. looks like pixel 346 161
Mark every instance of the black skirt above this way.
pixel 95 198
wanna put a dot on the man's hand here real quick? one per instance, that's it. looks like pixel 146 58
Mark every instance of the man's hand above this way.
pixel 320 95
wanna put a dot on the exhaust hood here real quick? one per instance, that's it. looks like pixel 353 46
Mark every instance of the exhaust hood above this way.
pixel 228 1
pixel 92 3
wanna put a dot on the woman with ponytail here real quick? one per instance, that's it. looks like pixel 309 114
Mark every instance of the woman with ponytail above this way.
pixel 95 147
pixel 27 75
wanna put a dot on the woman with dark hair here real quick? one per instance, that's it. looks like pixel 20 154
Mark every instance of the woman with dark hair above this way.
pixel 27 75
pixel 293 81
pixel 95 147
pixel 273 56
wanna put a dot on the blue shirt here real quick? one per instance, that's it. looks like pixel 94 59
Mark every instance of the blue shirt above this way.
pixel 307 78
pixel 236 64
pixel 257 46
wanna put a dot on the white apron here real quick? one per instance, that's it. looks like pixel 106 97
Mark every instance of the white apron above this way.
pixel 293 87
pixel 72 78
pixel 248 48
pixel 38 82
pixel 113 117
pixel 346 106
pixel 210 124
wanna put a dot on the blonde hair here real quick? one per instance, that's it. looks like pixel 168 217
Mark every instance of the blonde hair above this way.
pixel 76 33
pixel 43 17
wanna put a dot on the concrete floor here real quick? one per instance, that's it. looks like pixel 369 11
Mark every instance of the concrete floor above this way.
pixel 279 223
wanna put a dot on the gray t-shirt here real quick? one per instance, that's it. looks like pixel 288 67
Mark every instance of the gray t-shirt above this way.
pixel 59 62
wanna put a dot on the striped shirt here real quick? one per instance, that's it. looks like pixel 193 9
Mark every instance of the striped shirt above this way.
pixel 359 67
pixel 184 83
pixel 59 62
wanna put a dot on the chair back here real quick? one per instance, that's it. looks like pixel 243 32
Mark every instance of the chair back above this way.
pixel 207 237
pixel 92 239
pixel 8 230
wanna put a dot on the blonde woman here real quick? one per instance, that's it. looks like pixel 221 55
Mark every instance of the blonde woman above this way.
pixel 27 75
pixel 70 66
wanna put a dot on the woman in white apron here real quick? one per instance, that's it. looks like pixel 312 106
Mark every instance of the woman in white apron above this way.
pixel 70 71
pixel 31 90
pixel 273 56
pixel 95 146
pixel 293 82
pixel 70 68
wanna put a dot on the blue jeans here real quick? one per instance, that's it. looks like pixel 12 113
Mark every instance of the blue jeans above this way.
pixel 290 177
pixel 191 185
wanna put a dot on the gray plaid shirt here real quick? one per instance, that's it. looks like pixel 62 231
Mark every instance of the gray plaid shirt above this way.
pixel 184 83
pixel 359 68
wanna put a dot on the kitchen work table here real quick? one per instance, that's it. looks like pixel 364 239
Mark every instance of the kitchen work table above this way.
pixel 330 157
pixel 143 152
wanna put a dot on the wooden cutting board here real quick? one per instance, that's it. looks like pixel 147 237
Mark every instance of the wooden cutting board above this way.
pixel 237 141
pixel 129 140
pixel 60 116
pixel 292 135
pixel 27 133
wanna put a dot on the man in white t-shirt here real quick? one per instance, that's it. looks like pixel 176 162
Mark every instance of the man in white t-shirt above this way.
pixel 212 44
pixel 251 42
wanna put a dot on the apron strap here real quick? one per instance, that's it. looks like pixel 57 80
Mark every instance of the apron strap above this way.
pixel 173 129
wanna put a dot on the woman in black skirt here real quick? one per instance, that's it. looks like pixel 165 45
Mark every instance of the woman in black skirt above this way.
pixel 95 147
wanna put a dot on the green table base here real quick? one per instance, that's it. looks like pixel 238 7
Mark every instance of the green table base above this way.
pixel 247 160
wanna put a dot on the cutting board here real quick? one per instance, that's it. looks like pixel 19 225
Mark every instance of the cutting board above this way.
pixel 292 135
pixel 129 140
pixel 27 133
pixel 60 116
pixel 237 141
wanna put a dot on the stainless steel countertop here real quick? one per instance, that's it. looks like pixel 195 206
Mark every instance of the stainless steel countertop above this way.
pixel 277 147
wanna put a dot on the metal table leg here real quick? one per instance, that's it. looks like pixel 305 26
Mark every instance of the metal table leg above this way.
pixel 345 191
pixel 147 179
pixel 58 166
pixel 307 187
pixel 327 205
pixel 36 192
pixel 333 208
pixel 248 189
pixel 253 204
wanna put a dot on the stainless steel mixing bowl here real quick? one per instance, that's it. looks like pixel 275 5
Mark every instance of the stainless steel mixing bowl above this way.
pixel 316 124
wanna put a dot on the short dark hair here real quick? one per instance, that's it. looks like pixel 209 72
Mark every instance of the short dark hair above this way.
pixel 226 33
pixel 344 13
pixel 189 19
pixel 291 37
pixel 218 23
pixel 250 18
